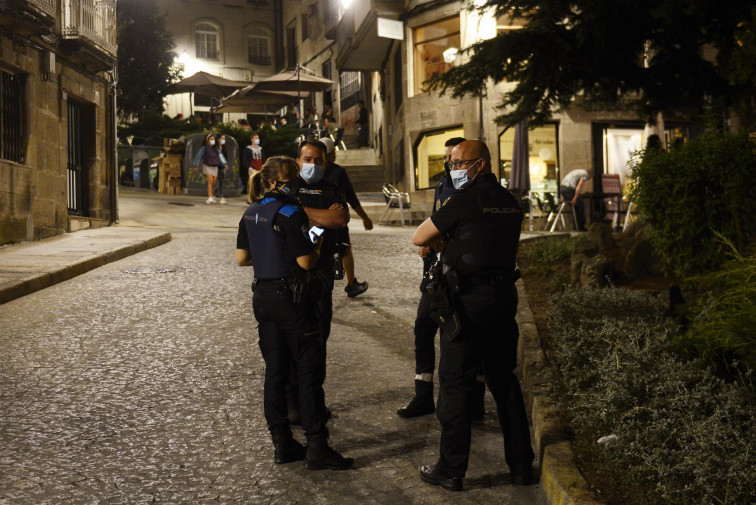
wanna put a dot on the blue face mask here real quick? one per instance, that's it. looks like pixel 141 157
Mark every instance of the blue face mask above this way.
pixel 459 177
pixel 311 173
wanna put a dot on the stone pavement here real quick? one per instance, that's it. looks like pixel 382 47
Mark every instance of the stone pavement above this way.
pixel 141 381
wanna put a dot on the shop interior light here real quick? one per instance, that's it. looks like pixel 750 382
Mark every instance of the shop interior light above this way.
pixel 450 54
pixel 346 3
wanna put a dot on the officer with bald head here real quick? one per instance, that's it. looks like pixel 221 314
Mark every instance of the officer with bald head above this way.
pixel 478 230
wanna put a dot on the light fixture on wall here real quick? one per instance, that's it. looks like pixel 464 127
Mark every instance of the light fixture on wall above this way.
pixel 346 3
pixel 450 54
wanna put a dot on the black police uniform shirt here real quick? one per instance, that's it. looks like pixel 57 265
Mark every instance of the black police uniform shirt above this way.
pixel 483 223
pixel 321 195
pixel 293 228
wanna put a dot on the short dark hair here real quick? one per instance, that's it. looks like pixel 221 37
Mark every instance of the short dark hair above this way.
pixel 314 143
pixel 454 141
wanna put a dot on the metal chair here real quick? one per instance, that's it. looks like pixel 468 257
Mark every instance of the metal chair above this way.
pixel 338 140
pixel 557 213
pixel 395 199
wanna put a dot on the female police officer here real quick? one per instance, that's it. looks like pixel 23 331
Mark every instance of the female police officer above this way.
pixel 274 238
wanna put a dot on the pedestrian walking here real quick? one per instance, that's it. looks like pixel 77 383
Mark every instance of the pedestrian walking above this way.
pixel 252 161
pixel 211 159
pixel 274 237
pixel 362 125
pixel 222 171
pixel 336 174
pixel 477 304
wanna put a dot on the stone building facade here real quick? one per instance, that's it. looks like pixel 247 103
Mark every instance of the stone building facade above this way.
pixel 57 111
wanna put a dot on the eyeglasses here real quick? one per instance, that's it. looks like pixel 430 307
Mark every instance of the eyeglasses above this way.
pixel 457 165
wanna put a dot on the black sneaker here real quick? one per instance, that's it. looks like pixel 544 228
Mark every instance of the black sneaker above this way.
pixel 356 288
pixel 417 408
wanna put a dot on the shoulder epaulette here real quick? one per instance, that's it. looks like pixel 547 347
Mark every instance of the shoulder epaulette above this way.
pixel 288 210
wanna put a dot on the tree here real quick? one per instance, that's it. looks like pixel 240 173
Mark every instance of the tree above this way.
pixel 145 57
pixel 677 58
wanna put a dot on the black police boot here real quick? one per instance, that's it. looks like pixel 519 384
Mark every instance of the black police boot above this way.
pixel 422 403
pixel 522 474
pixel 477 401
pixel 320 456
pixel 287 448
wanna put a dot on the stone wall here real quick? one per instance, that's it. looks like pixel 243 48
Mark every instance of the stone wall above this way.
pixel 34 193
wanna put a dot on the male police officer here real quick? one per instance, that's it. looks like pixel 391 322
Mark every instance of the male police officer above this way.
pixel 481 225
pixel 425 328
pixel 325 207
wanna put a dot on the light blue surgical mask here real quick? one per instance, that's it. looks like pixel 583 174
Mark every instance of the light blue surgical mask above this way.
pixel 459 177
pixel 257 142
pixel 212 142
pixel 311 173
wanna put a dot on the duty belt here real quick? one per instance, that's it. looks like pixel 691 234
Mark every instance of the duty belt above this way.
pixel 495 279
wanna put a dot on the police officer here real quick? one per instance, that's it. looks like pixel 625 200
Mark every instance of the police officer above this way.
pixel 325 206
pixel 425 328
pixel 481 226
pixel 274 238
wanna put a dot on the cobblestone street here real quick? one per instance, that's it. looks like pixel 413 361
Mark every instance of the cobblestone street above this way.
pixel 141 381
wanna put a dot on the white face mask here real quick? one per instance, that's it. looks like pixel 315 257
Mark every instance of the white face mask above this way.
pixel 459 177
pixel 212 142
pixel 257 142
pixel 223 141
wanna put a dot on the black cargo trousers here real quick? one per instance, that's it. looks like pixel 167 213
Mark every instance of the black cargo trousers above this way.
pixel 289 338
pixel 488 336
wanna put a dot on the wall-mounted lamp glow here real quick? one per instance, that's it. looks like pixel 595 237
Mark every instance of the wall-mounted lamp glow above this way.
pixel 346 3
pixel 450 54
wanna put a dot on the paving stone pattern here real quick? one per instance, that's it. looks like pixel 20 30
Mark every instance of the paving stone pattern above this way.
pixel 141 382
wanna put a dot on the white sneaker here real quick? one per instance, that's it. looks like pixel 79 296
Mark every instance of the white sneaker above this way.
pixel 210 201
pixel 223 201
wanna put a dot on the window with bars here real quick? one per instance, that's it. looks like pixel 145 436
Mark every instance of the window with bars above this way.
pixel 349 84
pixel 258 47
pixel 206 41
pixel 11 141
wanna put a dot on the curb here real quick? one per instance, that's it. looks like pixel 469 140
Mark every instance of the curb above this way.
pixel 43 280
pixel 561 481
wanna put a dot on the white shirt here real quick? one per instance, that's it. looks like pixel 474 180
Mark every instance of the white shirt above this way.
pixel 572 179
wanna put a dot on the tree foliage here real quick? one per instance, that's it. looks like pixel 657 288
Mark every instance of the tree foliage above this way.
pixel 651 56
pixel 145 57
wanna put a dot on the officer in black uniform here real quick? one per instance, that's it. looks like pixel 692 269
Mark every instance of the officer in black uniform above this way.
pixel 274 238
pixel 325 206
pixel 425 328
pixel 481 227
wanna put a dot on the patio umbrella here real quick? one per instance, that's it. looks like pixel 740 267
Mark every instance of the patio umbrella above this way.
pixel 299 79
pixel 249 100
pixel 520 177
pixel 206 84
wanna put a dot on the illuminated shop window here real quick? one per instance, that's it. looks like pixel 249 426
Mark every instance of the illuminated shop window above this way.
pixel 544 157
pixel 429 156
pixel 431 41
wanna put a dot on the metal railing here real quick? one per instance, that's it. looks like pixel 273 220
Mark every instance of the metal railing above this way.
pixel 46 6
pixel 92 19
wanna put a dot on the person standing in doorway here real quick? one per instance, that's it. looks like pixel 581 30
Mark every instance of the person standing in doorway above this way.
pixel 211 159
pixel 362 125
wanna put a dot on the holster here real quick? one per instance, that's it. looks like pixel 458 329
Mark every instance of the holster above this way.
pixel 298 284
pixel 442 310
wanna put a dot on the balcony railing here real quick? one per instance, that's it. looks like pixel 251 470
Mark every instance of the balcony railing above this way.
pixel 94 20
pixel 46 6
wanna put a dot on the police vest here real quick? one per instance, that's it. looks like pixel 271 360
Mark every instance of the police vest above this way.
pixel 488 244
pixel 270 253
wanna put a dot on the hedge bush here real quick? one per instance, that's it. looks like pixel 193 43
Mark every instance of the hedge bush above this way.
pixel 684 435
pixel 690 192
pixel 723 318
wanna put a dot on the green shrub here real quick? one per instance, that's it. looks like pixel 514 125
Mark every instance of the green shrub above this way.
pixel 723 319
pixel 544 255
pixel 684 436
pixel 153 127
pixel 689 193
